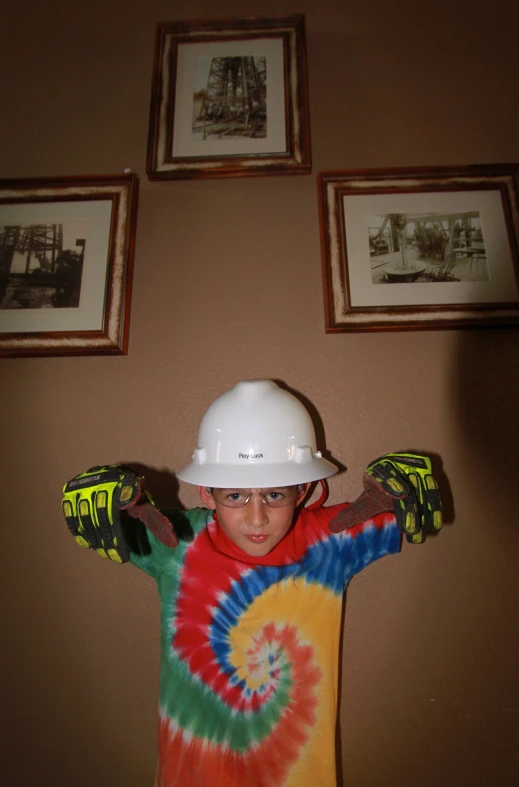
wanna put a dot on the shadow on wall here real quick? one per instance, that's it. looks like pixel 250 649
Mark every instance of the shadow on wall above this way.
pixel 317 422
pixel 162 484
pixel 486 409
pixel 436 461
pixel 486 386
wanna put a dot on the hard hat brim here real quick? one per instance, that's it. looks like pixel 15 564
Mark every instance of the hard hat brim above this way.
pixel 244 476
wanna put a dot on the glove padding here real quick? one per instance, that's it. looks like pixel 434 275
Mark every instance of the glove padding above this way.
pixel 404 484
pixel 92 503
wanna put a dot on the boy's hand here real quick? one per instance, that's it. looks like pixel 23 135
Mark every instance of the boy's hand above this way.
pixel 402 483
pixel 92 502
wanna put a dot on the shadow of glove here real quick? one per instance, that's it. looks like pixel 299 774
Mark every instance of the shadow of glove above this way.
pixel 404 484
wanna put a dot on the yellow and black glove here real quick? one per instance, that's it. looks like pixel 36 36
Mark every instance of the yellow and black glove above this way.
pixel 92 504
pixel 402 483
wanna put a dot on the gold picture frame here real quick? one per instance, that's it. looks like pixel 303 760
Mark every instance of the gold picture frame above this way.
pixel 420 248
pixel 66 263
pixel 229 98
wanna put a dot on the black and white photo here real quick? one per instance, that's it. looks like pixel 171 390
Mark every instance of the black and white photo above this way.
pixel 41 265
pixel 429 247
pixel 230 98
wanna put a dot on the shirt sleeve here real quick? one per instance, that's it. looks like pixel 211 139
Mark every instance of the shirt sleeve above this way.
pixel 373 539
pixel 156 560
pixel 156 557
pixel 350 551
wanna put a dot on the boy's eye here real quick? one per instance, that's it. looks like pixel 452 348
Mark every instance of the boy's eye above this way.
pixel 274 496
pixel 234 497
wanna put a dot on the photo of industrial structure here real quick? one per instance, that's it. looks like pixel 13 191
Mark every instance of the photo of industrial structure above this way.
pixel 428 247
pixel 230 98
pixel 41 266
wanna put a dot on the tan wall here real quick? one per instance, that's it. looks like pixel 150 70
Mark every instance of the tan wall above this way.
pixel 228 286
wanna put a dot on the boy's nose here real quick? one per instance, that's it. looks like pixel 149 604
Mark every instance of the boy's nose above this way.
pixel 256 512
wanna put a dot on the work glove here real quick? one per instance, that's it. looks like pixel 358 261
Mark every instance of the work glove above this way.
pixel 92 504
pixel 404 484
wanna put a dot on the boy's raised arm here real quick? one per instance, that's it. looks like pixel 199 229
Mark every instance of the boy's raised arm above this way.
pixel 92 504
pixel 402 483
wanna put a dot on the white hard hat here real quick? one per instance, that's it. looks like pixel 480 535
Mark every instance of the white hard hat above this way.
pixel 256 435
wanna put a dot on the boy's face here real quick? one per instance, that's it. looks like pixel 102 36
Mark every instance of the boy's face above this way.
pixel 255 527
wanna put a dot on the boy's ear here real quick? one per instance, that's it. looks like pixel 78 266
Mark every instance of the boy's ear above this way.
pixel 302 493
pixel 206 497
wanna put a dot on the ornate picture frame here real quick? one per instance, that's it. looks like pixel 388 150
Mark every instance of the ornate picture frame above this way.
pixel 229 98
pixel 66 263
pixel 420 248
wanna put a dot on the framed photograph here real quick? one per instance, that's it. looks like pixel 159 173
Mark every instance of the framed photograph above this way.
pixel 418 248
pixel 66 261
pixel 229 98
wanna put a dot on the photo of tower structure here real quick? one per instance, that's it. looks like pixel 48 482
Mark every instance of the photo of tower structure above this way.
pixel 230 98
pixel 41 266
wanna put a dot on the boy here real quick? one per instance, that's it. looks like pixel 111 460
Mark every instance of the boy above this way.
pixel 252 586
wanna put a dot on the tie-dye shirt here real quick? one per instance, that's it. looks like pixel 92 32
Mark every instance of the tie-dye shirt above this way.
pixel 250 649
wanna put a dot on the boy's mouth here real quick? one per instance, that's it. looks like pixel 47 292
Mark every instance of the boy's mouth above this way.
pixel 257 539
